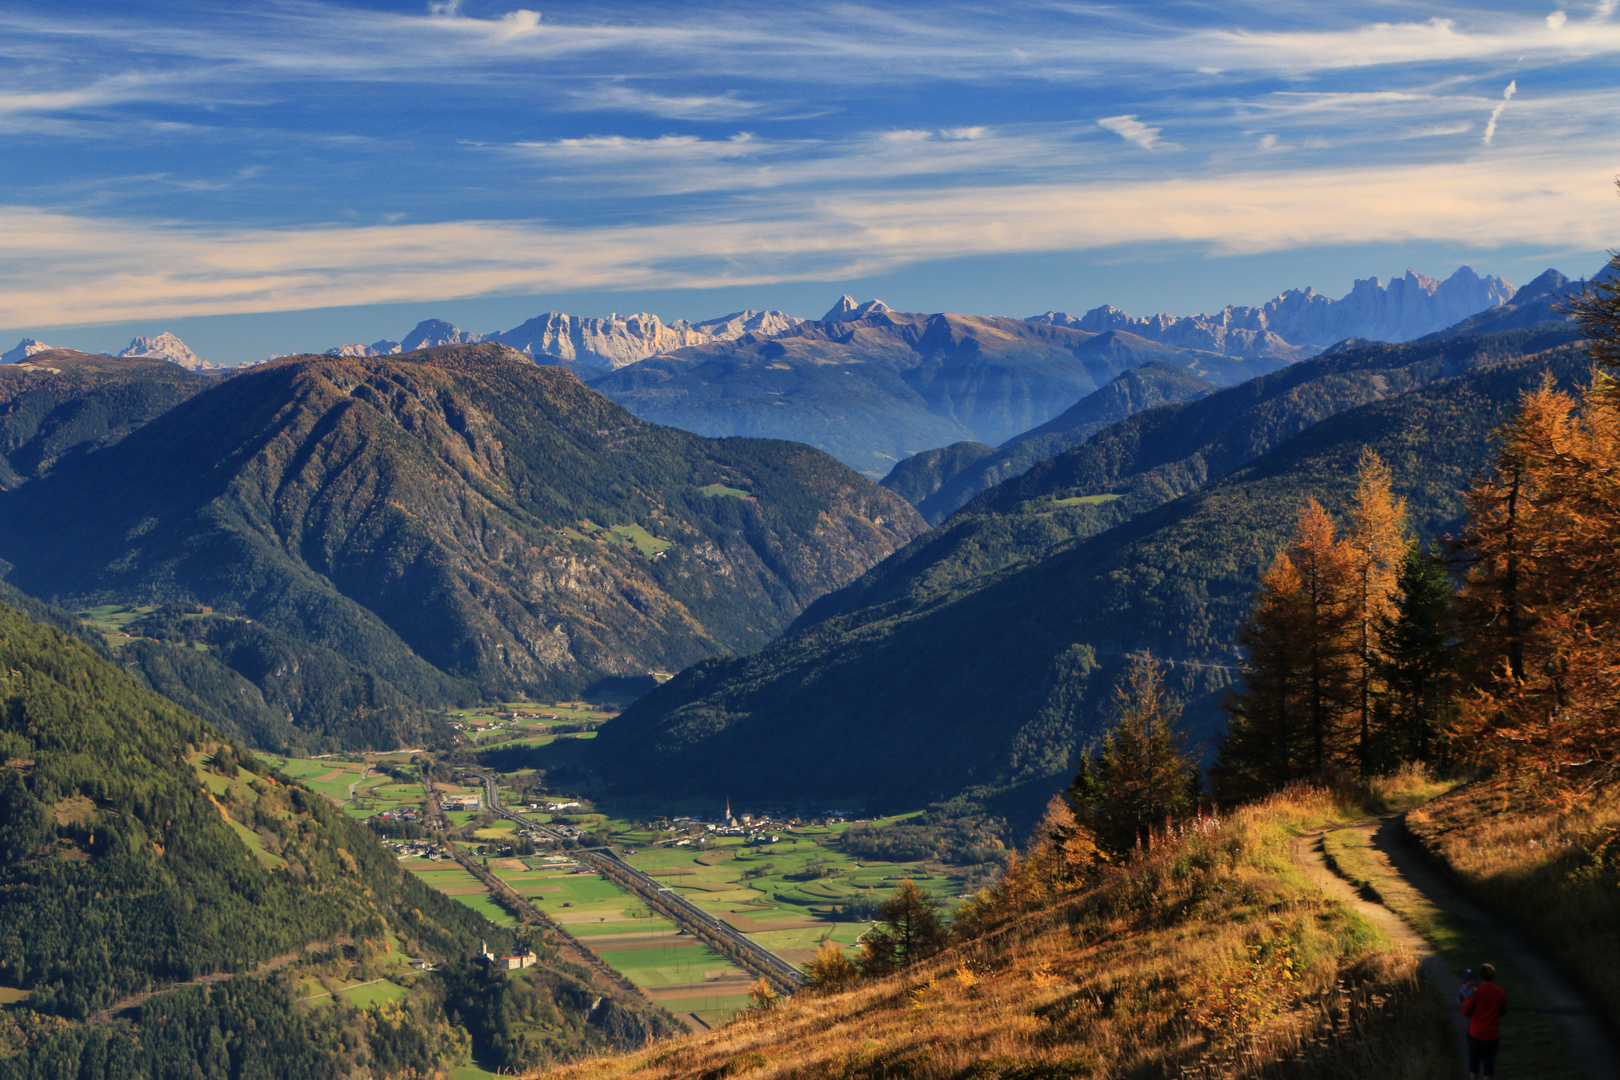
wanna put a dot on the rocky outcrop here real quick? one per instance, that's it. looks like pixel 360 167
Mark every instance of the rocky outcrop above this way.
pixel 587 344
pixel 618 341
pixel 25 348
pixel 166 347
pixel 1302 322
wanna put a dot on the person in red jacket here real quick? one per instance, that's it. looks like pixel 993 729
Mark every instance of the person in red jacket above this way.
pixel 1487 1005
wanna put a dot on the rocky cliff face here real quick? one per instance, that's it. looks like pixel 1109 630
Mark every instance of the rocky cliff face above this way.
pixel 586 344
pixel 618 341
pixel 24 349
pixel 166 347
pixel 1302 322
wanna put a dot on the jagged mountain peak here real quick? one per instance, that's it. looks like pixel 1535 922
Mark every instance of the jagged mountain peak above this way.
pixel 25 348
pixel 847 310
pixel 1302 322
pixel 166 346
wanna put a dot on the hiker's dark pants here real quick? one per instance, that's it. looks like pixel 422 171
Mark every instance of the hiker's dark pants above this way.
pixel 1482 1056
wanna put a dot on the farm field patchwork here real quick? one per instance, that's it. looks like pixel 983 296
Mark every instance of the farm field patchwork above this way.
pixel 528 722
pixel 645 948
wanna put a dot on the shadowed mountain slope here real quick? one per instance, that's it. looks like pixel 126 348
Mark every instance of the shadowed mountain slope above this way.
pixel 374 533
pixel 1162 453
pixel 59 403
pixel 944 480
pixel 985 657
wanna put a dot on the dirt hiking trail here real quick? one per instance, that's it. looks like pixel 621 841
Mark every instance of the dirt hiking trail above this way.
pixel 1401 878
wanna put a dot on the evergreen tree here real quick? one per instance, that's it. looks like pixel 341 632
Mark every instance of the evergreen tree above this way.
pixel 1260 748
pixel 1416 659
pixel 1140 776
pixel 911 930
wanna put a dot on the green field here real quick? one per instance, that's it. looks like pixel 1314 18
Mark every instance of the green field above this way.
pixel 784 895
pixel 330 778
pixel 533 723
pixel 1085 500
pixel 647 949
pixel 720 491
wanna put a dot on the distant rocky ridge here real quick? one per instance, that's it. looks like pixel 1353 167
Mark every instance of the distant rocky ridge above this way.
pixel 25 348
pixel 605 344
pixel 1302 322
pixel 166 347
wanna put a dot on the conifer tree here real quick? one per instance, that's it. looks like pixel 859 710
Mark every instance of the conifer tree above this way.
pixel 1416 661
pixel 911 930
pixel 1140 776
pixel 1377 544
pixel 1294 715
pixel 1540 607
pixel 1260 750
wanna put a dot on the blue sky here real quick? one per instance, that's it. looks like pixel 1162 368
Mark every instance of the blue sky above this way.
pixel 276 176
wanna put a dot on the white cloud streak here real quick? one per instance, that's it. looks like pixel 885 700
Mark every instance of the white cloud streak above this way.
pixel 1496 113
pixel 1133 130
pixel 63 269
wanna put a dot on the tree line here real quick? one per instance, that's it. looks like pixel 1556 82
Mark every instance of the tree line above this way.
pixel 1367 649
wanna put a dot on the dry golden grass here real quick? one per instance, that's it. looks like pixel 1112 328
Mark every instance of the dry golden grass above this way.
pixel 1210 956
pixel 1549 862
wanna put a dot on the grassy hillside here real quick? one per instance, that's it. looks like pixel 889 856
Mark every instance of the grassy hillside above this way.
pixel 139 850
pixel 373 535
pixel 60 403
pixel 1210 956
pixel 1548 862
pixel 991 666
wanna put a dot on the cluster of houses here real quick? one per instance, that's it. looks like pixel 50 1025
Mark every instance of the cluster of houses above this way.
pixel 402 813
pixel 418 849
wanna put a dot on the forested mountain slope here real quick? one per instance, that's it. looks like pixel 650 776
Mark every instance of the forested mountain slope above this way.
pixel 990 666
pixel 940 482
pixel 1154 456
pixel 872 386
pixel 376 534
pixel 59 403
pixel 138 849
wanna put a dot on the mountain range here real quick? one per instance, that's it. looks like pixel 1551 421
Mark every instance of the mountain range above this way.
pixel 872 386
pixel 1301 322
pixel 360 538
pixel 586 345
pixel 982 655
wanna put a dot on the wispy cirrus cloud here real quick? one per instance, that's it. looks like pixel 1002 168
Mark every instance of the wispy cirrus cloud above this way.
pixel 619 97
pixel 701 143
pixel 64 269
pixel 1134 131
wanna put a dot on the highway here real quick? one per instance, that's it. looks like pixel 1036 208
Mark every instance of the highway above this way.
pixel 746 952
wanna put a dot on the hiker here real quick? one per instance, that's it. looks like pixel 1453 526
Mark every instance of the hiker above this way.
pixel 1484 1008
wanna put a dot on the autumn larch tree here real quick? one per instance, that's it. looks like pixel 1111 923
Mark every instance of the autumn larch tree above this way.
pixel 1378 541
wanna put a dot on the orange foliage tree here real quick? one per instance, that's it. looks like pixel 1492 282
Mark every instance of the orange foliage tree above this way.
pixel 1540 606
pixel 1312 646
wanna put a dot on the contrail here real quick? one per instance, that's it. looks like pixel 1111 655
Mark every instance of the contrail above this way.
pixel 1507 95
